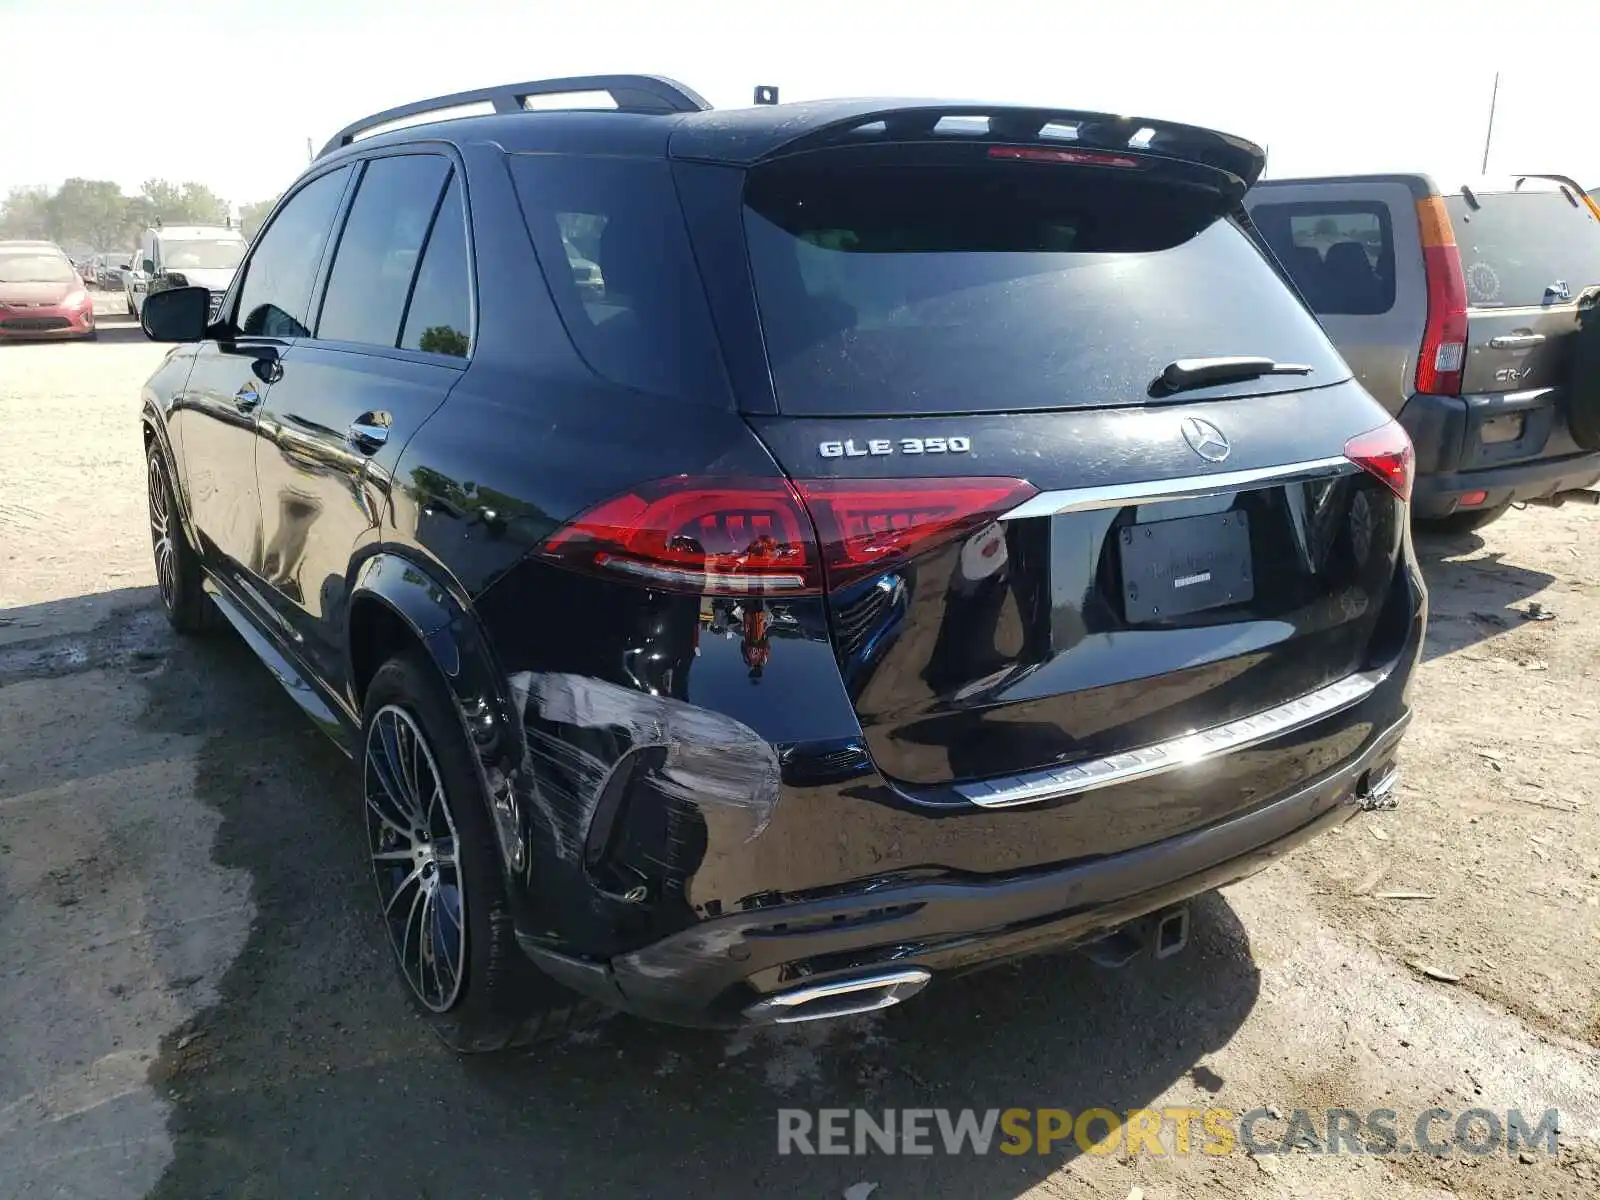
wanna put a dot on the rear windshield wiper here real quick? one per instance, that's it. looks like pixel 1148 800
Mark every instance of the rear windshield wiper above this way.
pixel 1189 373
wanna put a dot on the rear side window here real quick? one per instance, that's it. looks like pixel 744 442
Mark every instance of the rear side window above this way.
pixel 379 249
pixel 1524 248
pixel 612 243
pixel 916 289
pixel 279 275
pixel 1340 255
pixel 439 319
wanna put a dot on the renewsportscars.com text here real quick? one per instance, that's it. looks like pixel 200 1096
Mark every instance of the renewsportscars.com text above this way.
pixel 1160 1132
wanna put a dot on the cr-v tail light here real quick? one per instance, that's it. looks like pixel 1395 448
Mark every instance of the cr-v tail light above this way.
pixel 1444 337
pixel 770 537
pixel 1386 453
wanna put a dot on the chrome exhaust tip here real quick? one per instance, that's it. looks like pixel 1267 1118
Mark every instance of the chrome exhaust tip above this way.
pixel 839 997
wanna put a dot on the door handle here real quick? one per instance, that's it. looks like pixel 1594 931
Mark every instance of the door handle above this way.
pixel 246 398
pixel 1515 341
pixel 366 435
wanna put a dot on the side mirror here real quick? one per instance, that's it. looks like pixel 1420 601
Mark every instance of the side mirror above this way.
pixel 148 266
pixel 177 314
pixel 124 266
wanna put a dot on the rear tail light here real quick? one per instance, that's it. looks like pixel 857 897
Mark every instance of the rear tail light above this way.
pixel 711 536
pixel 1472 499
pixel 742 537
pixel 1444 338
pixel 1386 453
pixel 868 525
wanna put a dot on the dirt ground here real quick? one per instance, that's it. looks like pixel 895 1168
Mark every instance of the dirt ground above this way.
pixel 194 1000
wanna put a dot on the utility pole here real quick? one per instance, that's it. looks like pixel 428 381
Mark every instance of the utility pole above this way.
pixel 1488 135
pixel 311 156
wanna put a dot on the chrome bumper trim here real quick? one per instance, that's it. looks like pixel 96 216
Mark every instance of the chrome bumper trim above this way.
pixel 1052 783
pixel 1188 487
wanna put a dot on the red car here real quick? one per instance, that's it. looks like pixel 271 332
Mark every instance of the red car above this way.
pixel 41 295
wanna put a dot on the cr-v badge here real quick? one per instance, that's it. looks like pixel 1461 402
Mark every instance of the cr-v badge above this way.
pixel 877 447
pixel 1205 439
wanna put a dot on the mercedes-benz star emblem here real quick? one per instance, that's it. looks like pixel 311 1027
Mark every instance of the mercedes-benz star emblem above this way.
pixel 1205 439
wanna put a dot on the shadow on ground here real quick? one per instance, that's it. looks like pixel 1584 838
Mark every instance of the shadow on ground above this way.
pixel 1471 597
pixel 310 1076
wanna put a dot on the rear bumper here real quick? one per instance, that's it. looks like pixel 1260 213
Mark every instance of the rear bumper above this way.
pixel 710 974
pixel 829 877
pixel 1439 495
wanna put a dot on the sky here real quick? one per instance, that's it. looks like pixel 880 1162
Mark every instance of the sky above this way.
pixel 227 93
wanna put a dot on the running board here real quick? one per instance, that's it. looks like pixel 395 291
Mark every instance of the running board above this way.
pixel 1052 783
pixel 300 690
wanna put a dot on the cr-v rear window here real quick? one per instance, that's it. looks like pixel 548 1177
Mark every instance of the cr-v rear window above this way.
pixel 954 288
pixel 1516 245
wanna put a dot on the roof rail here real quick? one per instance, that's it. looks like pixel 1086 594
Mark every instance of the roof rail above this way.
pixel 635 93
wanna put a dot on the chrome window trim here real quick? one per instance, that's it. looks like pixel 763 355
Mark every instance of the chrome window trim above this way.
pixel 1187 487
pixel 1053 783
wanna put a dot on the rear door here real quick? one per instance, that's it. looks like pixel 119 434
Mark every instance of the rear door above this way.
pixel 1353 250
pixel 392 337
pixel 1038 555
pixel 1532 263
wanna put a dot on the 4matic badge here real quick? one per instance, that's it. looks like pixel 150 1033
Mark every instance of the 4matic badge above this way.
pixel 878 447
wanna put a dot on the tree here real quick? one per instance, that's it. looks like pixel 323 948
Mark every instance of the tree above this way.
pixel 441 339
pixel 183 204
pixel 253 216
pixel 25 213
pixel 90 213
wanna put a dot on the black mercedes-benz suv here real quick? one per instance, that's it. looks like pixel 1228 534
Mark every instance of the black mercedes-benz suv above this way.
pixel 764 560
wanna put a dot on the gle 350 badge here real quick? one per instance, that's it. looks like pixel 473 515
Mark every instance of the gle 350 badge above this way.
pixel 878 447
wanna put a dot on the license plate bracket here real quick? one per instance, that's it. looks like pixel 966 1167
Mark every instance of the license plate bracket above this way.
pixel 1186 565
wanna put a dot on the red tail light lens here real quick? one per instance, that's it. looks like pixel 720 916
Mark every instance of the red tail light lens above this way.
pixel 868 525
pixel 708 536
pixel 1386 453
pixel 1444 337
pixel 1082 158
pixel 741 537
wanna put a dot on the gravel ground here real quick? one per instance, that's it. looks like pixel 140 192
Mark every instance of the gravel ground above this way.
pixel 197 1002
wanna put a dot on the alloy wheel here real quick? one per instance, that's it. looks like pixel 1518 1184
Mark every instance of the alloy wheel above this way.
pixel 161 532
pixel 412 838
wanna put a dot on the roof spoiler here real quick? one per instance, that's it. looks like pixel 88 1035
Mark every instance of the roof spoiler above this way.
pixel 865 122
pixel 630 93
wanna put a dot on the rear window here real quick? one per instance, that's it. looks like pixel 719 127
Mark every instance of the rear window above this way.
pixel 611 239
pixel 1524 248
pixel 934 289
pixel 1340 255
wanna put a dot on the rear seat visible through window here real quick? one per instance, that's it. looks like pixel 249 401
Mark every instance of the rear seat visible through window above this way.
pixel 1340 255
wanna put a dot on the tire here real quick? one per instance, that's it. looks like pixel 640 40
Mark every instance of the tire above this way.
pixel 446 913
pixel 1461 522
pixel 1583 384
pixel 178 574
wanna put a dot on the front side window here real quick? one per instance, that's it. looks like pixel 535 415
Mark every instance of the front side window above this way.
pixel 1339 254
pixel 380 247
pixel 276 294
